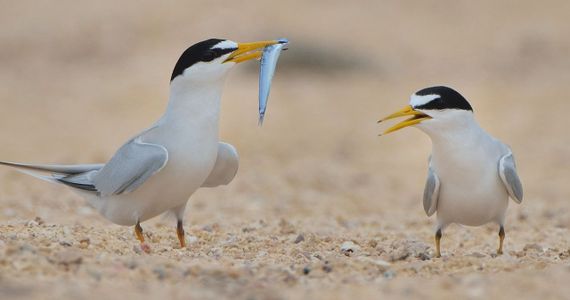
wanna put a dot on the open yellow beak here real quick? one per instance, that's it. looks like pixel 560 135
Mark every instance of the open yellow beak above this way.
pixel 247 51
pixel 416 118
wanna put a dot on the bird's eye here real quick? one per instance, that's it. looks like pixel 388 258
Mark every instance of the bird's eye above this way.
pixel 209 55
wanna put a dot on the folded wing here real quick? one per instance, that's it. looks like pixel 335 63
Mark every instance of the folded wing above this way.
pixel 133 164
pixel 226 166
pixel 431 191
pixel 510 178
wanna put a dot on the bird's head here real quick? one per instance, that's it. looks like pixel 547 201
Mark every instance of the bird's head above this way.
pixel 433 108
pixel 210 60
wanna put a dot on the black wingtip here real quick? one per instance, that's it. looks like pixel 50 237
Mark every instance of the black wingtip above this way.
pixel 86 187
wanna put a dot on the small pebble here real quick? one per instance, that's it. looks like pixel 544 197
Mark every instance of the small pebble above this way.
pixel 160 273
pixel 84 243
pixel 145 247
pixel 348 248
pixel 306 270
pixel 424 256
pixel 65 243
pixel 389 274
pixel 137 249
pixel 247 229
pixel 32 223
pixel 191 239
pixel 216 252
pixel 327 268
pixel 299 238
pixel 285 227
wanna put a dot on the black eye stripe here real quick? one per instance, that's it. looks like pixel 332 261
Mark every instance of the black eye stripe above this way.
pixel 215 53
pixel 208 55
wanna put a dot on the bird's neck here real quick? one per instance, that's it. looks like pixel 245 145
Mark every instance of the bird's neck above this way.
pixel 194 104
pixel 463 150
pixel 462 133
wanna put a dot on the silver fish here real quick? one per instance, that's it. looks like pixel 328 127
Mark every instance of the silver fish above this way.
pixel 266 71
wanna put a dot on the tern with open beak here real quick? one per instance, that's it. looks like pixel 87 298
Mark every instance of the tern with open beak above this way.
pixel 158 170
pixel 471 175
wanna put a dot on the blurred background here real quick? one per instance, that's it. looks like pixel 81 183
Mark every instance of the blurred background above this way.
pixel 80 77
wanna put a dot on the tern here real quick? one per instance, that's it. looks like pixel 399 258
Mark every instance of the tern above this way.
pixel 158 170
pixel 471 174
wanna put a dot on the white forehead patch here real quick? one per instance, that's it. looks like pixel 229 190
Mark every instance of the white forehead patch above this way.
pixel 417 100
pixel 226 45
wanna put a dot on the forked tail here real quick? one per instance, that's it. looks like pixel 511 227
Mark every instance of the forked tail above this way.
pixel 77 176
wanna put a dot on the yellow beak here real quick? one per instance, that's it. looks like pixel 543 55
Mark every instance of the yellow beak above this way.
pixel 247 51
pixel 416 118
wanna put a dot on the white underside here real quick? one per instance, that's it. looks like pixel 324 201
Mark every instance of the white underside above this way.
pixel 471 192
pixel 188 166
pixel 466 162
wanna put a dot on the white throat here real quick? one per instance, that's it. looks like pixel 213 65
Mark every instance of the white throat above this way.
pixel 193 101
pixel 195 95
pixel 193 110
pixel 453 129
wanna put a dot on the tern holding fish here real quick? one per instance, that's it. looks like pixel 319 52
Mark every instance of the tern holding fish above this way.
pixel 471 175
pixel 159 169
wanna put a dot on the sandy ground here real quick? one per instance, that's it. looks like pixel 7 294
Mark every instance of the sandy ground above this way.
pixel 77 79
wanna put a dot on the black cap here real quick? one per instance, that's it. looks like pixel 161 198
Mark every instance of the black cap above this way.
pixel 448 99
pixel 199 52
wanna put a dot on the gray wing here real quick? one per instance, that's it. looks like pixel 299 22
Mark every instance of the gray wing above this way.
pixel 508 174
pixel 133 164
pixel 226 166
pixel 431 191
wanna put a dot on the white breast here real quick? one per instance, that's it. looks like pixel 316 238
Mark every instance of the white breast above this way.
pixel 466 162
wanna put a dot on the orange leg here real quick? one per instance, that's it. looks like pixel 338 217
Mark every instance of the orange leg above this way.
pixel 501 239
pixel 437 243
pixel 140 237
pixel 139 232
pixel 180 233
